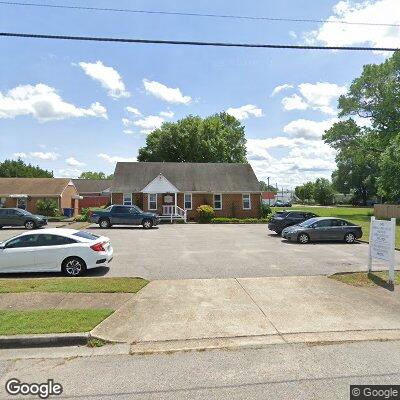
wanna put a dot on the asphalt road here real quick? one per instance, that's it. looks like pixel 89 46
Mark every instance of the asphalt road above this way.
pixel 274 372
pixel 220 251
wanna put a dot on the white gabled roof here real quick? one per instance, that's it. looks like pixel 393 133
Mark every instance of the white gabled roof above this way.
pixel 160 184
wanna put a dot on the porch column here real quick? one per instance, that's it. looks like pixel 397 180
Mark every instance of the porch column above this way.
pixel 176 202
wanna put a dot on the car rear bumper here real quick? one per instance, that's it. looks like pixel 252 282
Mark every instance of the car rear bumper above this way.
pixel 103 258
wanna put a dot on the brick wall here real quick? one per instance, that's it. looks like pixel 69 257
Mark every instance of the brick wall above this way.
pixel 232 205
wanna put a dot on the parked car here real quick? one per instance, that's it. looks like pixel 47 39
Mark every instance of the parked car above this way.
pixel 50 250
pixel 323 228
pixel 280 203
pixel 283 219
pixel 19 217
pixel 123 215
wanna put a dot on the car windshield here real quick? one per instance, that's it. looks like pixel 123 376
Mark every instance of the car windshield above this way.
pixel 308 222
pixel 86 235
pixel 137 209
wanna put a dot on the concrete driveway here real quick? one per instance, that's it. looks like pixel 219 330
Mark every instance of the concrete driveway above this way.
pixel 220 251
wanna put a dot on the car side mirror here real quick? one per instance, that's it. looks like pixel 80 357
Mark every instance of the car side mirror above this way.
pixel 2 246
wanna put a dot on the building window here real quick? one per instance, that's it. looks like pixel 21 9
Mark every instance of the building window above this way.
pixel 2 202
pixel 188 201
pixel 152 201
pixel 246 201
pixel 217 201
pixel 127 199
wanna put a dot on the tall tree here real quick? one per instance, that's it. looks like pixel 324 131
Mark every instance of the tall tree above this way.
pixel 375 97
pixel 19 169
pixel 218 138
pixel 95 175
pixel 356 159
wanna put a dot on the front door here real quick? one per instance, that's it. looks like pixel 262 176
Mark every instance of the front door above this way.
pixel 22 203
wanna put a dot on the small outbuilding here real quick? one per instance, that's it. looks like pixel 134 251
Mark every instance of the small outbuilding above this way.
pixel 24 193
pixel 94 192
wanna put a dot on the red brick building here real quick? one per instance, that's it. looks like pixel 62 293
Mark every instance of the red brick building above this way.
pixel 26 192
pixel 93 192
pixel 177 189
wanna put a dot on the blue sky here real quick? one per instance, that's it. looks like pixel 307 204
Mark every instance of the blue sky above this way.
pixel 65 105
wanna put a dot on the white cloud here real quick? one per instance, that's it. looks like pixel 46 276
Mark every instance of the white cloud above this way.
pixel 294 102
pixel 297 161
pixel 279 89
pixel 308 129
pixel 167 114
pixel 245 112
pixel 378 11
pixel 149 123
pixel 44 104
pixel 321 93
pixel 69 173
pixel 20 155
pixel 128 131
pixel 293 34
pixel 39 155
pixel 115 159
pixel 170 95
pixel 73 162
pixel 133 110
pixel 126 122
pixel 316 96
pixel 109 78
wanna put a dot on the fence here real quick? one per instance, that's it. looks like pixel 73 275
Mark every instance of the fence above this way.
pixel 95 201
pixel 386 211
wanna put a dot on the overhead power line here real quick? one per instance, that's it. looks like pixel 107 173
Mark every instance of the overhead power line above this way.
pixel 192 43
pixel 188 14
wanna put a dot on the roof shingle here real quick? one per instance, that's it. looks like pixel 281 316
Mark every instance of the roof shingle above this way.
pixel 33 186
pixel 132 177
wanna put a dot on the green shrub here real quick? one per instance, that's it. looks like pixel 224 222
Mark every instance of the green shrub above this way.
pixel 224 220
pixel 265 210
pixel 206 213
pixel 47 207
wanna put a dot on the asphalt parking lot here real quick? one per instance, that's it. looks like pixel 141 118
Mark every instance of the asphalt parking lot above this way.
pixel 224 251
pixel 220 251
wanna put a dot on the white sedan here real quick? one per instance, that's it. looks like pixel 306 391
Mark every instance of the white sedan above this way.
pixel 50 250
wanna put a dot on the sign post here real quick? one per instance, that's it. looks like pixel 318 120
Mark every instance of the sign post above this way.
pixel 382 241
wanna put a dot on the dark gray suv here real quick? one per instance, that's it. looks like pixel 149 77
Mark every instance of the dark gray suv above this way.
pixel 18 217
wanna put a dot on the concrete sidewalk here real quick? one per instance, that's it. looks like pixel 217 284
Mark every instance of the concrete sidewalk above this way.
pixel 221 312
pixel 46 301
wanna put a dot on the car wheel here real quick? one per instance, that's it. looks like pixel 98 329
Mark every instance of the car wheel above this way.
pixel 147 223
pixel 30 225
pixel 303 238
pixel 73 266
pixel 104 223
pixel 349 238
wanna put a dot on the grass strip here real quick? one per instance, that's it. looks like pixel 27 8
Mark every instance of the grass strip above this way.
pixel 73 285
pixel 363 279
pixel 50 321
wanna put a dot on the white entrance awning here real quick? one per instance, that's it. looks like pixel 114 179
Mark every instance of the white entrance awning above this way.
pixel 18 196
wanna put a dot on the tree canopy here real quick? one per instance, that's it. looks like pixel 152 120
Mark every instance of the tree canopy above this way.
pixel 365 141
pixel 320 191
pixel 218 138
pixel 19 169
pixel 95 175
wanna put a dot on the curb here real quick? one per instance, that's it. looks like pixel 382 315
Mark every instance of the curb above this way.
pixel 44 340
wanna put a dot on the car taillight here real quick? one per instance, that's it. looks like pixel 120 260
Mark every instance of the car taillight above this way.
pixel 98 246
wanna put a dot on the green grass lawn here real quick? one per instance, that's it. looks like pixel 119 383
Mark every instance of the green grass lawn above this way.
pixel 358 215
pixel 363 279
pixel 73 285
pixel 50 321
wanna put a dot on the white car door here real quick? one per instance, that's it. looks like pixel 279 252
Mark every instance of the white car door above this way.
pixel 18 254
pixel 51 251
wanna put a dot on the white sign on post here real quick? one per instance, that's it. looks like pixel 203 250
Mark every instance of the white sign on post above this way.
pixel 382 240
